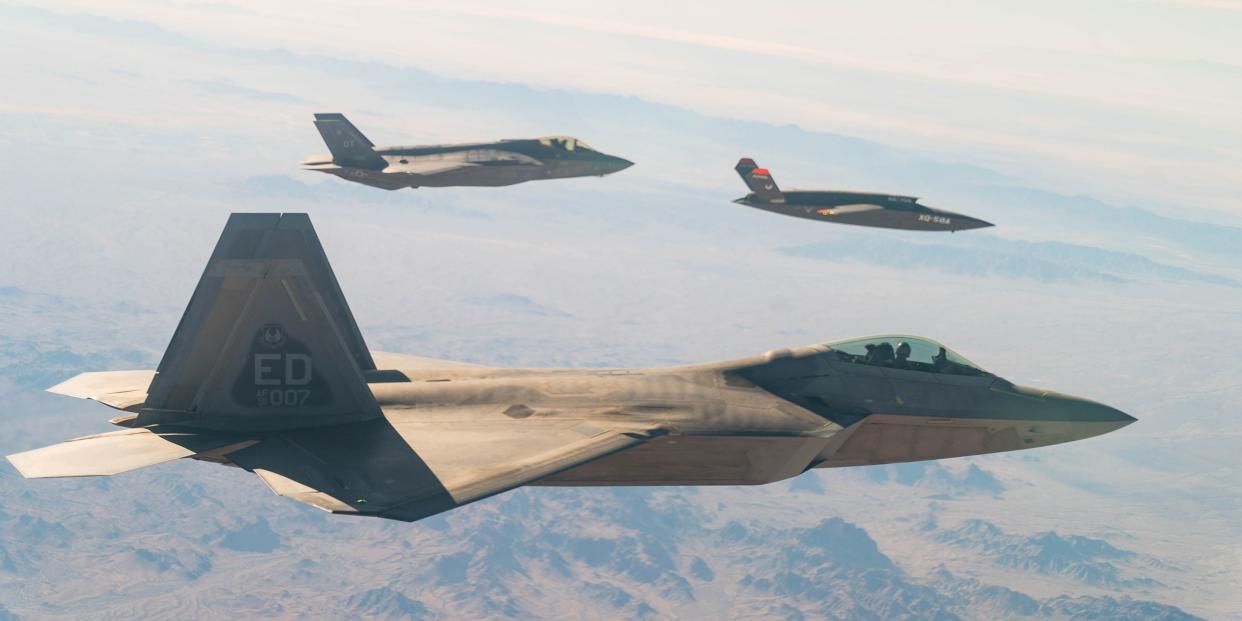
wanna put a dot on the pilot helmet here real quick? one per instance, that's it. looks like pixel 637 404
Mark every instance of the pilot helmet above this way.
pixel 903 350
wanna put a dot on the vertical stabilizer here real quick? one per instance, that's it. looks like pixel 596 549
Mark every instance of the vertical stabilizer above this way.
pixel 349 147
pixel 267 341
pixel 759 180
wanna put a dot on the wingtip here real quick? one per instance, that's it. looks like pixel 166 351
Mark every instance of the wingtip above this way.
pixel 26 463
pixel 17 465
pixel 66 388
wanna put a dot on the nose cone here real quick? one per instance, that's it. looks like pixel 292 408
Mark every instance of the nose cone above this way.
pixel 1065 418
pixel 966 223
pixel 1089 419
pixel 615 164
pixel 1079 410
pixel 1042 418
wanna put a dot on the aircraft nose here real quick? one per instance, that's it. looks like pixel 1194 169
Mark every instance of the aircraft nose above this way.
pixel 1114 415
pixel 1091 411
pixel 1088 418
pixel 967 223
pixel 1043 417
pixel 617 164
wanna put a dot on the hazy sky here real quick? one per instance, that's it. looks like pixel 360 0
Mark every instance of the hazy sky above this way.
pixel 1132 100
pixel 123 149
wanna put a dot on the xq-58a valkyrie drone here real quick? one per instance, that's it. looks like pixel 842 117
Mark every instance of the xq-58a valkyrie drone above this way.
pixel 268 371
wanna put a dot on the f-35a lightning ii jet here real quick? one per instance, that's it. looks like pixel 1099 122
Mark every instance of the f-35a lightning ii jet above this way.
pixel 862 208
pixel 268 371
pixel 505 162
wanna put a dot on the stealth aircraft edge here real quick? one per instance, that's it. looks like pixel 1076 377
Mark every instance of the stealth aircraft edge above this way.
pixel 268 371
pixel 505 162
pixel 862 208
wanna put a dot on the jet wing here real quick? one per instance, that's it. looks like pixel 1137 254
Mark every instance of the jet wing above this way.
pixel 118 389
pixel 852 208
pixel 387 360
pixel 396 176
pixel 372 178
pixel 430 167
pixel 409 470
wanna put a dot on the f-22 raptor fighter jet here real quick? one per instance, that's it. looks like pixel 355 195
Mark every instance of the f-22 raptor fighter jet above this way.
pixel 886 211
pixel 268 371
pixel 505 162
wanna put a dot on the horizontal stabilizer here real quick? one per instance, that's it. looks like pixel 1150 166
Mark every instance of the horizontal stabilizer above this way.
pixel 122 390
pixel 116 452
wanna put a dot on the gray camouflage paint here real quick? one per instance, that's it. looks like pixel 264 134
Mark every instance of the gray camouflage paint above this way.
pixel 500 163
pixel 268 371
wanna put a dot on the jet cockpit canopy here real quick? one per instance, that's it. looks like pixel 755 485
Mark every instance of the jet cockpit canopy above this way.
pixel 910 353
pixel 565 143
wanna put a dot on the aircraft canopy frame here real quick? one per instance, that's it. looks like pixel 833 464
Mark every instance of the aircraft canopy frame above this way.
pixel 923 354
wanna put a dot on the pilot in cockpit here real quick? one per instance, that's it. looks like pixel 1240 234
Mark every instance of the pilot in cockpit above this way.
pixel 881 355
pixel 903 356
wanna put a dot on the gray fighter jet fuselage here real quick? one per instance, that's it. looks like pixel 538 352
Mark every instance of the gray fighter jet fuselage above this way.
pixel 268 371
pixel 770 417
pixel 887 211
pixel 500 163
